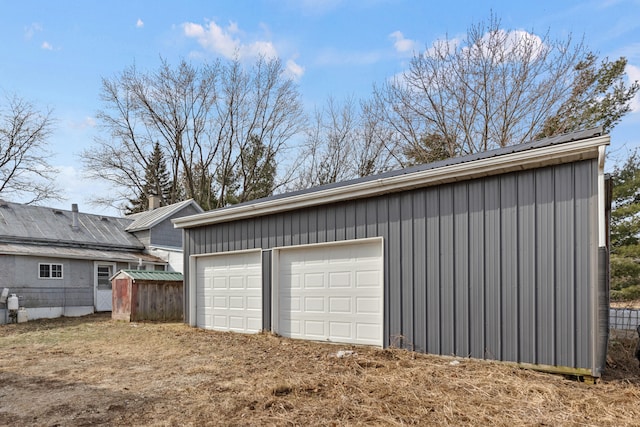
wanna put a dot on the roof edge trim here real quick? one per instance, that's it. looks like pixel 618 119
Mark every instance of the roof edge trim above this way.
pixel 521 160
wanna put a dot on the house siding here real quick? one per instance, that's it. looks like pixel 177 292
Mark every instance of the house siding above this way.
pixel 502 267
pixel 74 289
pixel 164 234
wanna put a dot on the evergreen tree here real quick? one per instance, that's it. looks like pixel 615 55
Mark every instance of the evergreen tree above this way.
pixel 599 97
pixel 156 183
pixel 625 230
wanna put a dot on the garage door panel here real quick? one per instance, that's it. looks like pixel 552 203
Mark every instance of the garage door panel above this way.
pixel 340 331
pixel 340 279
pixel 312 304
pixel 314 280
pixel 368 305
pixel 341 298
pixel 340 305
pixel 229 292
pixel 315 329
pixel 368 331
pixel 254 303
pixel 368 279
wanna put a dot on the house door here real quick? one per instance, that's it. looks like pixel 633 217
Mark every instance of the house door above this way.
pixel 102 285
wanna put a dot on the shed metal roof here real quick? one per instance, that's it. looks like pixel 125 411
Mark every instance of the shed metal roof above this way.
pixel 559 149
pixel 148 219
pixel 160 276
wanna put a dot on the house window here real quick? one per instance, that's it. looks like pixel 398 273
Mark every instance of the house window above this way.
pixel 104 274
pixel 50 271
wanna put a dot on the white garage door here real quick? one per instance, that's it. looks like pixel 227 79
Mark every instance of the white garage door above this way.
pixel 331 292
pixel 229 292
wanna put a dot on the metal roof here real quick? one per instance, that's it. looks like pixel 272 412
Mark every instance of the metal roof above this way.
pixel 562 148
pixel 148 219
pixel 160 276
pixel 76 253
pixel 40 225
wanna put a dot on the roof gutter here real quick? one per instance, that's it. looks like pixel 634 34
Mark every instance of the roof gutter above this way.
pixel 527 159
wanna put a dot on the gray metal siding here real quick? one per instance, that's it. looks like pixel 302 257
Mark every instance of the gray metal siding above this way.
pixel 497 268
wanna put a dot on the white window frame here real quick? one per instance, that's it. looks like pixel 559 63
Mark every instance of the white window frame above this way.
pixel 51 277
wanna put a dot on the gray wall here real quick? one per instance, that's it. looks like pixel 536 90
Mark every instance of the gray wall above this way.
pixel 20 275
pixel 164 233
pixel 503 267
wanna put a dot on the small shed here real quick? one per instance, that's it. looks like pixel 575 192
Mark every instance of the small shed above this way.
pixel 147 295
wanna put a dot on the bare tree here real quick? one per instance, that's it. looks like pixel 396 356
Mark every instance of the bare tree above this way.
pixel 204 118
pixel 24 168
pixel 344 141
pixel 491 89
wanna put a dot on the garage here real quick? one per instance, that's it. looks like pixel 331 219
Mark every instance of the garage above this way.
pixel 500 255
pixel 330 292
pixel 229 291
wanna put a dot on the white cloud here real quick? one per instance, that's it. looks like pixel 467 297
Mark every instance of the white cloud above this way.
pixel 46 45
pixel 294 70
pixel 87 122
pixel 139 23
pixel 402 44
pixel 30 30
pixel 634 75
pixel 232 43
pixel 227 42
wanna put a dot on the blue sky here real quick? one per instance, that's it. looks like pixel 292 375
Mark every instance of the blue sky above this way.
pixel 54 53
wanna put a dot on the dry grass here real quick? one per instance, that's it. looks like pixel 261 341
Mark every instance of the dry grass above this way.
pixel 93 370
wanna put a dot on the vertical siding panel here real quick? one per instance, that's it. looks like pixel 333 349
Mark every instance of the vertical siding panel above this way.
pixel 331 213
pixel 447 267
pixel 361 219
pixel 565 263
pixel 406 263
pixel 477 256
pixel 224 238
pixel 383 230
pixel 322 224
pixel 266 290
pixel 461 271
pixel 433 270
pixel 237 236
pixel 262 230
pixel 272 231
pixel 340 211
pixel 545 268
pixel 509 267
pixel 395 270
pixel 493 310
pixel 312 216
pixel 350 220
pixel 305 217
pixel 584 181
pixel 285 231
pixel 244 233
pixel 372 217
pixel 295 227
pixel 527 266
pixel 419 261
pixel 282 235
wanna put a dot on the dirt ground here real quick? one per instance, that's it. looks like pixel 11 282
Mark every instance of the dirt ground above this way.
pixel 95 371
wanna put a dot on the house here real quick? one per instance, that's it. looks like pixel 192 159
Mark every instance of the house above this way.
pixel 60 262
pixel 499 255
